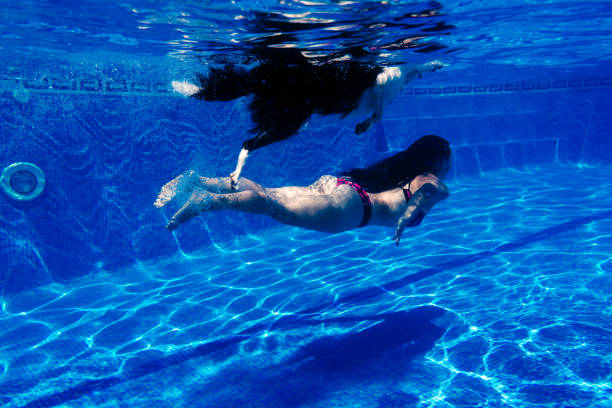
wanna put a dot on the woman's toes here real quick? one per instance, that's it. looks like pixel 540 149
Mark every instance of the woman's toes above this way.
pixel 183 182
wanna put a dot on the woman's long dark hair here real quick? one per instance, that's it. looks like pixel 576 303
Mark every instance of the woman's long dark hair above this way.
pixel 423 156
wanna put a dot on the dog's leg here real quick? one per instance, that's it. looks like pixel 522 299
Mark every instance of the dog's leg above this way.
pixel 366 124
pixel 235 175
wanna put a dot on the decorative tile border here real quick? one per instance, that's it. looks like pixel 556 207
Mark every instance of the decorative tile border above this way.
pixel 508 87
pixel 83 86
pixel 128 87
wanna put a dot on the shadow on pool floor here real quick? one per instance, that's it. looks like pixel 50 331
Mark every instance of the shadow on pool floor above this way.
pixel 381 353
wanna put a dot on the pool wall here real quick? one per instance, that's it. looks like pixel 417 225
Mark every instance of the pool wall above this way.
pixel 107 145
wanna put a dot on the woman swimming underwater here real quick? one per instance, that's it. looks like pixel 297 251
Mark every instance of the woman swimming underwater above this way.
pixel 397 191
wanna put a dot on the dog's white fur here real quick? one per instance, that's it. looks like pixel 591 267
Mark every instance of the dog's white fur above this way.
pixel 185 88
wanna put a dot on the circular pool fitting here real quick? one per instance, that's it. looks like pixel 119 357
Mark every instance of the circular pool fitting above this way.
pixel 22 181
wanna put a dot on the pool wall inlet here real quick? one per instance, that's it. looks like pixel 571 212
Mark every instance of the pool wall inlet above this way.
pixel 107 146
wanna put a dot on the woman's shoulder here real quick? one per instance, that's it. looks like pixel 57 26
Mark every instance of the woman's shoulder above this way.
pixel 426 178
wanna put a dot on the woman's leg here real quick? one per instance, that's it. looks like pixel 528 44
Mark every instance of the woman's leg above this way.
pixel 202 200
pixel 222 185
pixel 330 213
pixel 190 180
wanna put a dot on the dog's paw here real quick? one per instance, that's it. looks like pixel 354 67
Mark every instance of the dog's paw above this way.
pixel 234 181
pixel 434 65
pixel 362 127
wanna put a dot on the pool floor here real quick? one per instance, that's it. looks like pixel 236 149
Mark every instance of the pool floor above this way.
pixel 499 299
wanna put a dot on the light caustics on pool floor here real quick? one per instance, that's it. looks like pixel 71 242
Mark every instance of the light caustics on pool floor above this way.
pixel 498 299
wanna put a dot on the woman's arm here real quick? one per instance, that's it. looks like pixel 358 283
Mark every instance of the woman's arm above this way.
pixel 429 193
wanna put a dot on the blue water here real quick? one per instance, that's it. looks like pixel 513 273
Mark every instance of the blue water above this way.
pixel 499 299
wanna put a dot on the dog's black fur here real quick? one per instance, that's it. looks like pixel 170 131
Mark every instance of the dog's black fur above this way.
pixel 286 95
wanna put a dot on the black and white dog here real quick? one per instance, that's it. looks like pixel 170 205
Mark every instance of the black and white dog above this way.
pixel 286 95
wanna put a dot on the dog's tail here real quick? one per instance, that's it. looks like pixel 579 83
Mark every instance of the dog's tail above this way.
pixel 221 84
pixel 224 84
pixel 185 88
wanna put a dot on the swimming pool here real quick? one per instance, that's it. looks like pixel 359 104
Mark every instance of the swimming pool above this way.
pixel 503 301
pixel 499 299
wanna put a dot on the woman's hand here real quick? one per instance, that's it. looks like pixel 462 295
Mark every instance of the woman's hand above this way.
pixel 412 217
pixel 431 191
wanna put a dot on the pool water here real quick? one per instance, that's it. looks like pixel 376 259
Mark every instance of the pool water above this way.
pixel 499 299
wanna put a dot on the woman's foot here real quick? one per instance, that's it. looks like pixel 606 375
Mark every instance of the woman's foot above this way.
pixel 184 183
pixel 199 201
